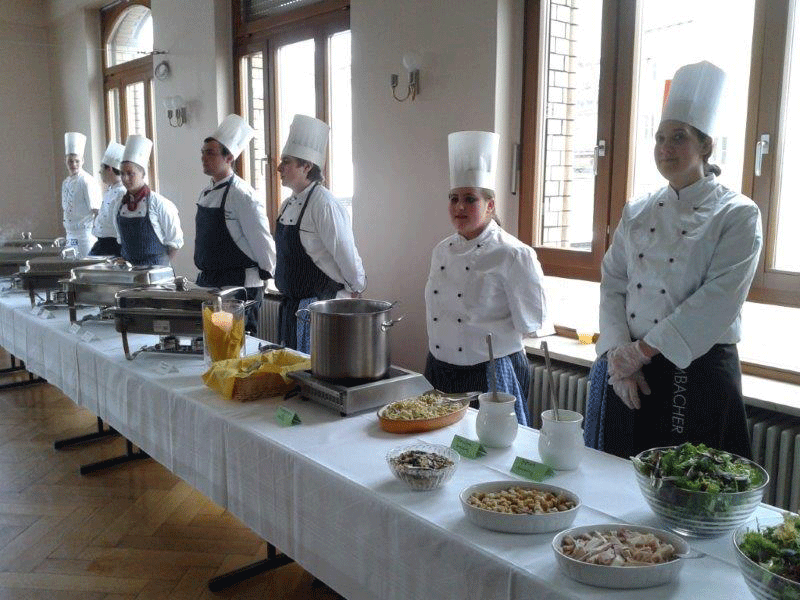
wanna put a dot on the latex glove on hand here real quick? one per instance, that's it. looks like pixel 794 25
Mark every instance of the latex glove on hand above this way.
pixel 625 360
pixel 628 388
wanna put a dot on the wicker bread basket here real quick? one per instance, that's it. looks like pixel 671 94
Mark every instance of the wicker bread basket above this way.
pixel 256 376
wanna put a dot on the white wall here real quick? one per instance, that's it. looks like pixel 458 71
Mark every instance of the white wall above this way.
pixel 29 201
pixel 400 149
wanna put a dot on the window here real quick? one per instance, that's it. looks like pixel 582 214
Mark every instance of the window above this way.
pixel 596 73
pixel 294 62
pixel 127 74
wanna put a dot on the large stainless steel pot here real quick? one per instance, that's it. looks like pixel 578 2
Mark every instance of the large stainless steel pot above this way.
pixel 349 337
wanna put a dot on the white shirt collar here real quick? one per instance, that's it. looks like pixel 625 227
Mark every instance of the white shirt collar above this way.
pixel 487 232
pixel 696 191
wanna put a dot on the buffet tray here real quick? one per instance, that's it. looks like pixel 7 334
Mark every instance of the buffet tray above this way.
pixel 44 273
pixel 13 258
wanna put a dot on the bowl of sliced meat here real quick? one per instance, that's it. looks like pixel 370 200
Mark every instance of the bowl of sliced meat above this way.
pixel 616 555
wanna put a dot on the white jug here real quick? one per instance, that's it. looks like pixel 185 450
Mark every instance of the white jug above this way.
pixel 496 423
pixel 561 442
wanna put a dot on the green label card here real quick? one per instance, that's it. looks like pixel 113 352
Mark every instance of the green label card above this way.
pixel 286 416
pixel 467 448
pixel 530 469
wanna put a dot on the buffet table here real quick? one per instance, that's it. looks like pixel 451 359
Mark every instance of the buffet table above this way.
pixel 321 491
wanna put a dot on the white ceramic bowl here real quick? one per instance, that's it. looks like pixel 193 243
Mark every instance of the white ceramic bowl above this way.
pixel 620 577
pixel 509 523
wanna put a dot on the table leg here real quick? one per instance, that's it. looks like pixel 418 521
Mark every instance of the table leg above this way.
pixel 89 437
pixel 19 367
pixel 129 456
pixel 273 561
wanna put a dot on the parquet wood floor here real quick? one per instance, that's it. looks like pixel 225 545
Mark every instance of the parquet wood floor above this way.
pixel 132 532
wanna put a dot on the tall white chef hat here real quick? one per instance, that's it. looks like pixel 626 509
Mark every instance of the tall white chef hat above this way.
pixel 694 96
pixel 308 139
pixel 113 155
pixel 473 159
pixel 137 150
pixel 74 143
pixel 233 133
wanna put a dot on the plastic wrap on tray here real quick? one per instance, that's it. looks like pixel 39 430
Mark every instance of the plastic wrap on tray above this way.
pixel 256 376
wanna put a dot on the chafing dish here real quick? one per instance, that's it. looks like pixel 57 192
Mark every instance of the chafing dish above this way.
pixel 27 239
pixel 44 274
pixel 13 258
pixel 170 311
pixel 98 284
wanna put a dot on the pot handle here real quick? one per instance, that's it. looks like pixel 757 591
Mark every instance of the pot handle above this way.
pixel 387 324
pixel 303 310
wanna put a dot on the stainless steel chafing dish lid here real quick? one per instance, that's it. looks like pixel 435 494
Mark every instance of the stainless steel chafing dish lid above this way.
pixel 19 255
pixel 181 296
pixel 56 265
pixel 118 271
pixel 27 239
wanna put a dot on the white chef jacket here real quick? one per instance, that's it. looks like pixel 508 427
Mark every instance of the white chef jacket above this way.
pixel 104 221
pixel 490 284
pixel 163 216
pixel 679 269
pixel 327 236
pixel 246 220
pixel 80 195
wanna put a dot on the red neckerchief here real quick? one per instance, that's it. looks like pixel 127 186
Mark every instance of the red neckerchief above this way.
pixel 132 200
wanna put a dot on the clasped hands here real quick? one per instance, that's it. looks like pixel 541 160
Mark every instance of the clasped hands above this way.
pixel 625 373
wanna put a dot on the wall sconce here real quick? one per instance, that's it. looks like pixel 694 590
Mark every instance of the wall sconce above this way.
pixel 176 110
pixel 411 61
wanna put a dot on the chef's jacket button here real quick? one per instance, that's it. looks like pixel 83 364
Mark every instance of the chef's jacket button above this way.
pixel 459 349
pixel 695 207
pixel 661 204
pixel 435 319
pixel 652 229
pixel 683 232
pixel 459 294
pixel 467 268
pixel 442 267
pixel 655 320
pixel 459 320
pixel 479 245
pixel 450 244
pixel 437 346
pixel 633 315
pixel 639 286
pixel 663 291
pixel 641 255
pixel 671 260
pixel 435 291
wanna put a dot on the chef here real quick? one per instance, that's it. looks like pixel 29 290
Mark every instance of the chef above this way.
pixel 482 280
pixel 80 196
pixel 148 226
pixel 233 244
pixel 673 284
pixel 103 229
pixel 317 257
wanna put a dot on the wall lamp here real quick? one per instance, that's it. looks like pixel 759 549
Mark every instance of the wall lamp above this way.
pixel 176 110
pixel 411 61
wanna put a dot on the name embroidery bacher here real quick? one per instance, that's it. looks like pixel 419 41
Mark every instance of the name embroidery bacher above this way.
pixel 678 400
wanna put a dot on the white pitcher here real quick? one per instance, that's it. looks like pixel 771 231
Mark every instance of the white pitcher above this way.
pixel 561 442
pixel 496 423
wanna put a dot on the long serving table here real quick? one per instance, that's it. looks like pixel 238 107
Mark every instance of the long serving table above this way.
pixel 321 491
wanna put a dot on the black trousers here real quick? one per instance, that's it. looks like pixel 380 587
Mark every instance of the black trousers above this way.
pixel 700 404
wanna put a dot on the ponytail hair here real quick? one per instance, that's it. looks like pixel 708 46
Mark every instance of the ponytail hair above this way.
pixel 708 168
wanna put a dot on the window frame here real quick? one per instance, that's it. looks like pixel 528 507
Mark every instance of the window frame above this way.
pixel 318 21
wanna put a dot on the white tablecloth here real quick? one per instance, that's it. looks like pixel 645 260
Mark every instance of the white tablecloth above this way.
pixel 322 492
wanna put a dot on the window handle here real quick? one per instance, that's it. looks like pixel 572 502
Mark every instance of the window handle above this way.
pixel 762 148
pixel 263 161
pixel 599 150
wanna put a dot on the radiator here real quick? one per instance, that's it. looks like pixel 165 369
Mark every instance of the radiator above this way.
pixel 572 387
pixel 775 442
pixel 269 319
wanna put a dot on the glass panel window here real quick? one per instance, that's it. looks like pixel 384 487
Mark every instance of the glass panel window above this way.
pixel 787 242
pixel 255 155
pixel 341 143
pixel 680 32
pixel 296 85
pixel 112 106
pixel 570 124
pixel 131 36
pixel 135 109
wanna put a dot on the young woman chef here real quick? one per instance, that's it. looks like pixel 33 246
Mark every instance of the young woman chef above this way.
pixel 317 256
pixel 148 226
pixel 482 280
pixel 103 229
pixel 233 245
pixel 673 285
pixel 80 196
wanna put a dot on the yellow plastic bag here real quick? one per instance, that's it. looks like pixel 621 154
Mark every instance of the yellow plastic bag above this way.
pixel 256 376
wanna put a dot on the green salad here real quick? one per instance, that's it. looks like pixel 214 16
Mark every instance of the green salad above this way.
pixel 776 548
pixel 698 469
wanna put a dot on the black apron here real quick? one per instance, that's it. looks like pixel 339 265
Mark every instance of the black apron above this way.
pixel 221 262
pixel 140 245
pixel 702 403
pixel 106 246
pixel 296 275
